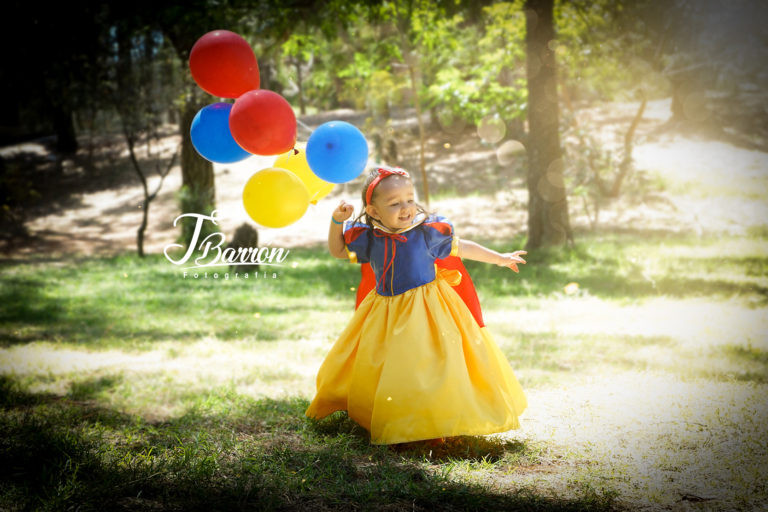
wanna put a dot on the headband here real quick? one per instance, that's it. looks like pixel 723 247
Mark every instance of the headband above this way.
pixel 383 173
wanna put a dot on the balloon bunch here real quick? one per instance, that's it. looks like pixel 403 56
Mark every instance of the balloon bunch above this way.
pixel 261 122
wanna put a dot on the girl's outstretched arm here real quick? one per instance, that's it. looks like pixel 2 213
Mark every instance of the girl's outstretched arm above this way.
pixel 335 232
pixel 474 251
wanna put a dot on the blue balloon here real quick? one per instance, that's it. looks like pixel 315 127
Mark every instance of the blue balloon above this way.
pixel 337 152
pixel 211 136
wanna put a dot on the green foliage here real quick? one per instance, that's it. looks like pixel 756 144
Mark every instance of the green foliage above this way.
pixel 600 56
pixel 340 58
pixel 467 70
pixel 482 68
pixel 369 78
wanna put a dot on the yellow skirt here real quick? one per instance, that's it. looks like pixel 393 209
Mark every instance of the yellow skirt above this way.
pixel 417 366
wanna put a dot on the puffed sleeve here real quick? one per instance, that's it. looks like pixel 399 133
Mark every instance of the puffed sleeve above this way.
pixel 357 242
pixel 439 237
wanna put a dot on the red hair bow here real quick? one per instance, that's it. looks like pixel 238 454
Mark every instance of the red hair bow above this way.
pixel 383 173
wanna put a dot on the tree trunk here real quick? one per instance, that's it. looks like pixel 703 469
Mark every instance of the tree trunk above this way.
pixel 265 73
pixel 300 85
pixel 63 125
pixel 548 221
pixel 198 191
pixel 142 227
pixel 422 134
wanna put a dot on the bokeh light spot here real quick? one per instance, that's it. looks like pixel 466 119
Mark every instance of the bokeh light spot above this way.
pixel 491 129
pixel 510 150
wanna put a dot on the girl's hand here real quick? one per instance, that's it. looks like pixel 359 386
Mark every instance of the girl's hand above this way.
pixel 511 259
pixel 343 212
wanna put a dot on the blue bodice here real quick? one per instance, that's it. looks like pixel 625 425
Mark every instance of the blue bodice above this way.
pixel 403 259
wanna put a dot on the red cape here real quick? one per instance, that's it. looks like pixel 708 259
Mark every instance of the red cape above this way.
pixel 465 289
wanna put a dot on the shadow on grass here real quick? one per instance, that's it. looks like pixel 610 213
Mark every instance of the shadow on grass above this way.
pixel 123 299
pixel 28 313
pixel 753 359
pixel 56 453
pixel 467 448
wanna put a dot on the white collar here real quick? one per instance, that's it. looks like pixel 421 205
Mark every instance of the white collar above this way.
pixel 417 220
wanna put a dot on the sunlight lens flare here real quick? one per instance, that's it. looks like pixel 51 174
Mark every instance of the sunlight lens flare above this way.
pixel 491 129
pixel 571 288
pixel 509 151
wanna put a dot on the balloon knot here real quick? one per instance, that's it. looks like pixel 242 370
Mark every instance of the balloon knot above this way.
pixel 295 151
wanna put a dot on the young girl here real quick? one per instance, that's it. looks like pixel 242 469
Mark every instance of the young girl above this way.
pixel 413 364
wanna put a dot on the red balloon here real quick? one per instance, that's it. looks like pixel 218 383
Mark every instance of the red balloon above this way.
pixel 223 64
pixel 263 123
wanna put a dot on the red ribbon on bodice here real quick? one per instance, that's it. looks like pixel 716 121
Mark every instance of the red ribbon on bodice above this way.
pixel 393 237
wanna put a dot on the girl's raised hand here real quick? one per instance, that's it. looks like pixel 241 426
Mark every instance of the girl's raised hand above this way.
pixel 511 260
pixel 343 211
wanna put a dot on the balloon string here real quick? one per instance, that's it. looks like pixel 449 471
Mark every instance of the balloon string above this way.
pixel 304 126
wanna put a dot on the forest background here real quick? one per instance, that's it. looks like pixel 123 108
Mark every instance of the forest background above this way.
pixel 623 143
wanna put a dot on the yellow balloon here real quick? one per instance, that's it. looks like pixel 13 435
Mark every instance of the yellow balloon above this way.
pixel 297 164
pixel 275 197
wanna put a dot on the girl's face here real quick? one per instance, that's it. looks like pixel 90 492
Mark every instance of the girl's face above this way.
pixel 393 203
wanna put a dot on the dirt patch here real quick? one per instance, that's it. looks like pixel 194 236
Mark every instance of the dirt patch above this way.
pixel 658 437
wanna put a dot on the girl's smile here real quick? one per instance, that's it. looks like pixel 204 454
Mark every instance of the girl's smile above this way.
pixel 393 203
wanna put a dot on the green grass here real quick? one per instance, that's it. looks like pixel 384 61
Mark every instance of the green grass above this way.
pixel 625 266
pixel 125 386
pixel 124 301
